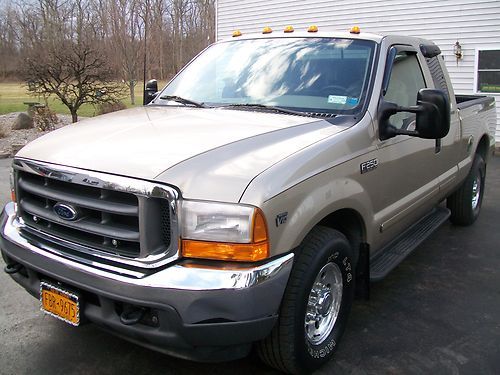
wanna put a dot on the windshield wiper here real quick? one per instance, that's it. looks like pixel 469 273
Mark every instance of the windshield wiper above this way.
pixel 182 100
pixel 268 107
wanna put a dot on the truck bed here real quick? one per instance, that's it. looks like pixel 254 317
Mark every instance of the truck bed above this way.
pixel 474 109
pixel 465 101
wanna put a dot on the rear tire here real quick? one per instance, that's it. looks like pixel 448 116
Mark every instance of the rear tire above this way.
pixel 315 306
pixel 465 203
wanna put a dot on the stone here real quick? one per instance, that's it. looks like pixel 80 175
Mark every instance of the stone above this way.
pixel 15 147
pixel 23 121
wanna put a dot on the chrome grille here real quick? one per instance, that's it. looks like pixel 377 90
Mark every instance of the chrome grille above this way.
pixel 112 218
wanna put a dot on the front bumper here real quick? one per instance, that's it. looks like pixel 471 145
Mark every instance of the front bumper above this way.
pixel 209 312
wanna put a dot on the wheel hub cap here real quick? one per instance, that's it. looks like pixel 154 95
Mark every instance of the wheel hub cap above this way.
pixel 323 305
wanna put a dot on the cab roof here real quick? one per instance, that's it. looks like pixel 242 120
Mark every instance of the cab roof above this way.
pixel 279 33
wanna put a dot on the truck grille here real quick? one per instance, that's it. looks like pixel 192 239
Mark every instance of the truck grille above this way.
pixel 98 219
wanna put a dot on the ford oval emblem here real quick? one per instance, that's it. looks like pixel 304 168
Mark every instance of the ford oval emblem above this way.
pixel 65 211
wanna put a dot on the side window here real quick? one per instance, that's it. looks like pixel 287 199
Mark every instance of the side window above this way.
pixel 438 74
pixel 405 82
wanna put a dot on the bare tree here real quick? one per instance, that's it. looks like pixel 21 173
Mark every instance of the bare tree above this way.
pixel 118 36
pixel 123 22
pixel 66 61
pixel 75 73
pixel 8 47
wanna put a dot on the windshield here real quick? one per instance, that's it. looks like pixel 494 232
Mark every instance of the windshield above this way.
pixel 324 75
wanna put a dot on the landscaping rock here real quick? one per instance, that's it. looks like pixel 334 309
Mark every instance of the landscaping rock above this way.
pixel 23 121
pixel 15 147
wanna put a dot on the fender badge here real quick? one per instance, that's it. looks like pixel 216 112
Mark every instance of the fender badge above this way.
pixel 281 218
pixel 368 166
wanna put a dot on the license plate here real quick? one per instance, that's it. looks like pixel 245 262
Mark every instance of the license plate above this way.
pixel 60 303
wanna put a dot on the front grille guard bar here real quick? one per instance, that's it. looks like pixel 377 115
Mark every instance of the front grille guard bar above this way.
pixel 137 187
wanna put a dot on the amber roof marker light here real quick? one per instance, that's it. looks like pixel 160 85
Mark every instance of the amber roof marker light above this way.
pixel 288 29
pixel 236 33
pixel 312 29
pixel 355 30
pixel 267 30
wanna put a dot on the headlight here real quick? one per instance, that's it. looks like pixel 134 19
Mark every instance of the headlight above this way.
pixel 223 231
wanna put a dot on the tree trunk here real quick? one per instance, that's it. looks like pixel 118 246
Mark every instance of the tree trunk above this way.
pixel 74 115
pixel 131 86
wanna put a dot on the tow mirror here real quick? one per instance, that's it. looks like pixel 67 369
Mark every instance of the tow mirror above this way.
pixel 433 121
pixel 433 116
pixel 150 91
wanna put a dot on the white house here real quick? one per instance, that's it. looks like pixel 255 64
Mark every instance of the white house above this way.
pixel 474 24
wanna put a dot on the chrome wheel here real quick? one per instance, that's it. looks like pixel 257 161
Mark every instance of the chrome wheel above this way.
pixel 323 305
pixel 476 192
pixel 316 304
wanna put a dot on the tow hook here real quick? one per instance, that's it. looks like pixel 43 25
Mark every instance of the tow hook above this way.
pixel 132 315
pixel 13 268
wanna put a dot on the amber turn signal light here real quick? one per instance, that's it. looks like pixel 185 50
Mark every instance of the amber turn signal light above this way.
pixel 238 252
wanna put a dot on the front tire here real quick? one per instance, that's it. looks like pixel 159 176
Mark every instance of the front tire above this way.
pixel 465 203
pixel 315 306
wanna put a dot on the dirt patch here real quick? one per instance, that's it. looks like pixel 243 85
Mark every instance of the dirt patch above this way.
pixel 15 139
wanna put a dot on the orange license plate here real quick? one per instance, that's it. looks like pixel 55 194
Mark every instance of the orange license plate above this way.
pixel 60 303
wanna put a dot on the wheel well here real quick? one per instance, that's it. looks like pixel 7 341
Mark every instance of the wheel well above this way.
pixel 350 223
pixel 482 148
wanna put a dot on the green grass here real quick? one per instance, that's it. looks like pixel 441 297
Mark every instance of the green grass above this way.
pixel 13 95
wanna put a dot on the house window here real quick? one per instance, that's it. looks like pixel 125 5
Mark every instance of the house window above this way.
pixel 488 71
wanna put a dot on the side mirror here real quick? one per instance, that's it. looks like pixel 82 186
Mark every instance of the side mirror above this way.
pixel 150 91
pixel 433 116
pixel 433 121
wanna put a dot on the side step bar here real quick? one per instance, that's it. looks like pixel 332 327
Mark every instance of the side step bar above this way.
pixel 396 251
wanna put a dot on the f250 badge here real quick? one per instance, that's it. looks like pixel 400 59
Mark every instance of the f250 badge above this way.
pixel 368 166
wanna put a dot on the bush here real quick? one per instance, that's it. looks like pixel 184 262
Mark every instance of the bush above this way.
pixel 45 119
pixel 110 107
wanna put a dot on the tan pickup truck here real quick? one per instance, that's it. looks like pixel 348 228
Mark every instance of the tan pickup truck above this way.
pixel 270 180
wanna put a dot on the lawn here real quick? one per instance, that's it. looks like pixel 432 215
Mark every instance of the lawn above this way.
pixel 13 95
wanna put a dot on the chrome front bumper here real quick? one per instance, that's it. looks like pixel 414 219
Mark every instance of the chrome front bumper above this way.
pixel 195 292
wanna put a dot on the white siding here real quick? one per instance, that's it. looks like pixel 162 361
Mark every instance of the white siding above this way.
pixel 474 23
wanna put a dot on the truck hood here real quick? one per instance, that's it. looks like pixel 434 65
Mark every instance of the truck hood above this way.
pixel 201 151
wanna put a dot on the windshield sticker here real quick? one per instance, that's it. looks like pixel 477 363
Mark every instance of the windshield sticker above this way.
pixel 352 101
pixel 336 99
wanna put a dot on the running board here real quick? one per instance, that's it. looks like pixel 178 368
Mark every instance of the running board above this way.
pixel 396 251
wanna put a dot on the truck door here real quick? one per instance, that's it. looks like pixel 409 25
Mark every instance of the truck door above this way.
pixel 406 178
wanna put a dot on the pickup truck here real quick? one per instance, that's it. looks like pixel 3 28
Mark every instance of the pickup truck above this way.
pixel 251 199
